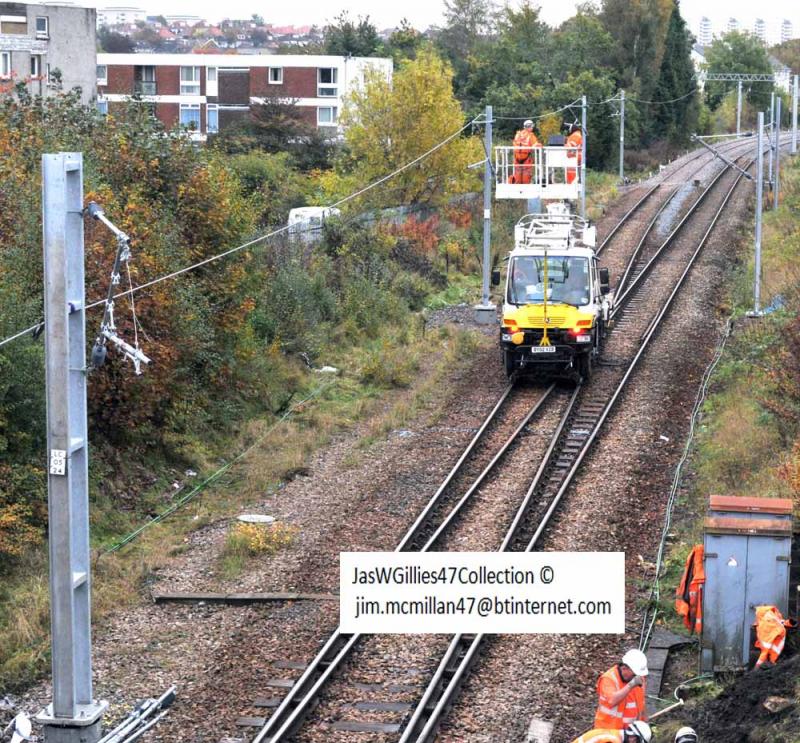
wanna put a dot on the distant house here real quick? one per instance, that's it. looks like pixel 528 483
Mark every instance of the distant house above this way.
pixel 207 92
pixel 783 74
pixel 37 39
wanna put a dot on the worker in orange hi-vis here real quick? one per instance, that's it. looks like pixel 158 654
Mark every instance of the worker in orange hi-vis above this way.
pixel 524 142
pixel 770 633
pixel 620 693
pixel 636 732
pixel 575 144
pixel 689 594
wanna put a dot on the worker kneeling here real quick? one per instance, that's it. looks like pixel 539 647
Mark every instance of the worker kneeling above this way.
pixel 770 633
pixel 524 142
pixel 636 732
pixel 620 693
pixel 574 145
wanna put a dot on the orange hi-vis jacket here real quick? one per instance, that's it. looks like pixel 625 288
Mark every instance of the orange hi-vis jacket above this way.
pixel 770 633
pixel 631 708
pixel 598 735
pixel 524 142
pixel 689 594
pixel 575 142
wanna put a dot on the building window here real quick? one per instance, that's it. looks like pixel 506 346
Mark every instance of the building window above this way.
pixel 13 24
pixel 326 82
pixel 211 74
pixel 102 107
pixel 190 81
pixel 144 80
pixel 190 116
pixel 327 115
pixel 36 65
pixel 276 75
pixel 5 64
pixel 102 74
pixel 42 27
pixel 212 119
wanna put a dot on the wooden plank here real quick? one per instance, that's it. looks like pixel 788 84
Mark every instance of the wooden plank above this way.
pixel 298 665
pixel 238 599
pixel 281 683
pixel 382 706
pixel 267 702
pixel 365 727
pixel 251 722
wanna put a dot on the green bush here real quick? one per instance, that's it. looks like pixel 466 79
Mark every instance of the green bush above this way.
pixel 388 367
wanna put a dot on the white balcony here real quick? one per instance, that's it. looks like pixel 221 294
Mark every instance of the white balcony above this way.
pixel 545 175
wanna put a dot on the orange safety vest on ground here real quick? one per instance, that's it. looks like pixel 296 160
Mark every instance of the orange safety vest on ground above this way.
pixel 524 142
pixel 689 594
pixel 598 735
pixel 770 633
pixel 631 708
pixel 575 143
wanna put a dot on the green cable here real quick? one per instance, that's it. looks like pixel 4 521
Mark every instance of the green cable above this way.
pixel 213 477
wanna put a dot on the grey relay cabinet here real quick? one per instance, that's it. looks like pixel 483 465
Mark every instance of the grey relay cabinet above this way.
pixel 747 547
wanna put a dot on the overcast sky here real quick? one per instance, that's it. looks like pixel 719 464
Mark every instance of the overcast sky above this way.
pixel 424 13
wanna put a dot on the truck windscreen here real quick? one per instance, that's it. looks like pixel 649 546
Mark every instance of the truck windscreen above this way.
pixel 567 280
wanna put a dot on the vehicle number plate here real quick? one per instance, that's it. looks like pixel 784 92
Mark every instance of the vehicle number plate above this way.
pixel 543 349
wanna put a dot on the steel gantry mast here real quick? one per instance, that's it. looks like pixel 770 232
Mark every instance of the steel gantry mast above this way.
pixel 74 716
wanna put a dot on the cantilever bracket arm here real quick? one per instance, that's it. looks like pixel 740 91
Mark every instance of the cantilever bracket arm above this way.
pixel 722 157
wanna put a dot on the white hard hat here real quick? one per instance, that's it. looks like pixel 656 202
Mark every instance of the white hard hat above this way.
pixel 641 730
pixel 22 728
pixel 636 660
pixel 528 122
pixel 686 735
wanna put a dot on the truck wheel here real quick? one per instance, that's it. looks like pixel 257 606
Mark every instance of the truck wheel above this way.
pixel 508 360
pixel 585 366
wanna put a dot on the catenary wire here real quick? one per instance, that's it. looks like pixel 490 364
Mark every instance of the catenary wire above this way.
pixel 256 240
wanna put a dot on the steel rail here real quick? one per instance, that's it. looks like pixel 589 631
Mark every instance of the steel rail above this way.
pixel 619 302
pixel 623 220
pixel 637 250
pixel 463 649
pixel 288 716
pixel 458 657
pixel 456 510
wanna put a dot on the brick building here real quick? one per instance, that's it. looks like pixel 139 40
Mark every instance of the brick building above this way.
pixel 38 39
pixel 207 92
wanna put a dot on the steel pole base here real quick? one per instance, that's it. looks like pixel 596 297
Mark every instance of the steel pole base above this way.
pixel 84 728
pixel 485 314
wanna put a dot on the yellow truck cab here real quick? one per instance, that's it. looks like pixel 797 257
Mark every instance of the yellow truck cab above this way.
pixel 556 299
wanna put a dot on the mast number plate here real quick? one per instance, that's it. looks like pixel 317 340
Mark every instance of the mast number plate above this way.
pixel 58 462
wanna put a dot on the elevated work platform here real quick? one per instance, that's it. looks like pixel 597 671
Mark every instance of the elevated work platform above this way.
pixel 548 173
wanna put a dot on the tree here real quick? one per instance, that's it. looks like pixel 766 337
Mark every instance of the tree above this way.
pixel 347 37
pixel 677 119
pixel 390 124
pixel 738 52
pixel 277 125
pixel 581 43
pixel 114 43
pixel 638 28
pixel 468 24
pixel 789 53
pixel 404 42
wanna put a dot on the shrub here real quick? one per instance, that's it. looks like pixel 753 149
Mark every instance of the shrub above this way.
pixel 389 367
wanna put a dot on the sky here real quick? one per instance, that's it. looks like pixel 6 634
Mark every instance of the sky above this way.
pixel 424 13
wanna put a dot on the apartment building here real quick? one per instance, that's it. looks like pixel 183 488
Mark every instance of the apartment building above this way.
pixel 118 15
pixel 207 92
pixel 36 40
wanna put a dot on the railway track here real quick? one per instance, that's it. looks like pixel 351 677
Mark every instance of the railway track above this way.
pixel 581 417
pixel 519 406
pixel 572 441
